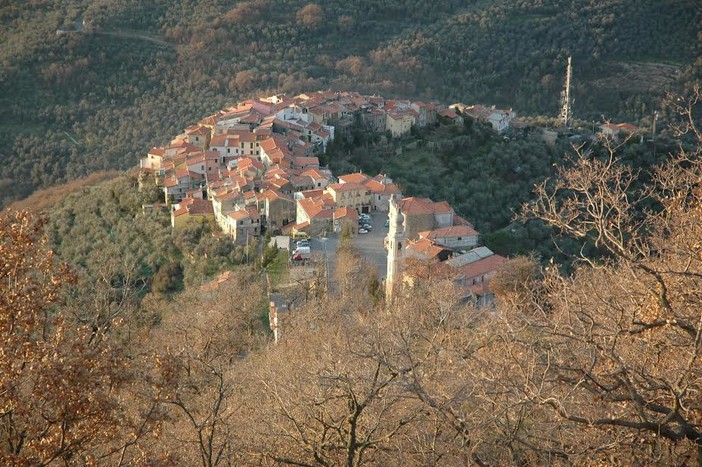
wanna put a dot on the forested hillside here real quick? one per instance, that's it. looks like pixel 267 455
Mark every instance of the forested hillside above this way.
pixel 601 366
pixel 129 74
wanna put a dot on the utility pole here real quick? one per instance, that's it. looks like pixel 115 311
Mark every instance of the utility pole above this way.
pixel 324 239
pixel 566 100
pixel 653 133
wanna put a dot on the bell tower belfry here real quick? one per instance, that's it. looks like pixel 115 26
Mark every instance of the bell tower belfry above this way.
pixel 396 243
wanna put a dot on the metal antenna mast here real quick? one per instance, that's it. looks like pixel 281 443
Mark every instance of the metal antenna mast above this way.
pixel 566 101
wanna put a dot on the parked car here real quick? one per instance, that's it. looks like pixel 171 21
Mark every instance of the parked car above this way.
pixel 302 253
pixel 300 243
pixel 367 227
pixel 387 222
pixel 299 235
pixel 362 231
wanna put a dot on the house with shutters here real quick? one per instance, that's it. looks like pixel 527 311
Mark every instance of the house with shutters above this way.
pixel 350 195
pixel 244 225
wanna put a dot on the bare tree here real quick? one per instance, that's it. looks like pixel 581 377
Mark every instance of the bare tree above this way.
pixel 614 353
pixel 63 397
pixel 199 348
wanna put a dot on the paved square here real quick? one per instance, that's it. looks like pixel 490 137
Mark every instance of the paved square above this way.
pixel 370 245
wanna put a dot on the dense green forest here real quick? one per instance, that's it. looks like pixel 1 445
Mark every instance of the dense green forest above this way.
pixel 487 177
pixel 138 72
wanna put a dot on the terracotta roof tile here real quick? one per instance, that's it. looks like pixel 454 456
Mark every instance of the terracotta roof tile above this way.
pixel 353 178
pixel 450 232
pixel 425 248
pixel 482 266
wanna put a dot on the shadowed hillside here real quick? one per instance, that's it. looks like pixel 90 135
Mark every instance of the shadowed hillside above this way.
pixel 127 75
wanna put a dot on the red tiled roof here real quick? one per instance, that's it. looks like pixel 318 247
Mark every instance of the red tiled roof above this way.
pixel 414 205
pixel 279 182
pixel 301 181
pixel 353 178
pixel 322 133
pixel 442 207
pixel 377 187
pixel 194 206
pixel 272 195
pixel 253 212
pixel 195 157
pixel 312 193
pixel 448 113
pixel 209 121
pixel 272 142
pixel 450 232
pixel 219 140
pixel 346 212
pixel 338 187
pixel 228 195
pixel 300 226
pixel 240 215
pixel 306 161
pixel 197 130
pixel 276 172
pixel 482 266
pixel 425 248
pixel 623 127
pixel 249 162
pixel 315 208
pixel 314 173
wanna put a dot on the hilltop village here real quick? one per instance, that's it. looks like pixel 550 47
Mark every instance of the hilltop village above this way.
pixel 253 168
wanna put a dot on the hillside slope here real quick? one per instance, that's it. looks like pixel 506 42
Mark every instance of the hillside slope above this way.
pixel 137 72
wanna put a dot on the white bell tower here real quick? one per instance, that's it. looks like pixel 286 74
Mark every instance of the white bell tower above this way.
pixel 396 242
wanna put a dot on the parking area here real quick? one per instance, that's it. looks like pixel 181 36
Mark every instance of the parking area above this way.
pixel 370 245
